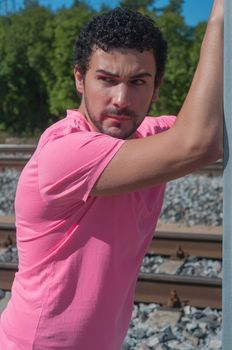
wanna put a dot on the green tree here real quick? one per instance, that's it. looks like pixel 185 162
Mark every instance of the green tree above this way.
pixel 178 75
pixel 67 25
pixel 25 42
pixel 174 6
pixel 36 53
pixel 198 33
pixel 136 4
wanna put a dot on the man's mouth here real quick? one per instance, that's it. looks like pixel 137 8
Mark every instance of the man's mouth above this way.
pixel 119 114
pixel 119 117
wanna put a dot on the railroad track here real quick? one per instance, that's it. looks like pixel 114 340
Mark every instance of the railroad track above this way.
pixel 9 149
pixel 16 156
pixel 199 241
pixel 169 240
pixel 197 291
pixel 7 273
pixel 150 288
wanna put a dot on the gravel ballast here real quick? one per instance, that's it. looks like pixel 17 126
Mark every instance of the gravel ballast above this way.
pixel 191 200
pixel 187 329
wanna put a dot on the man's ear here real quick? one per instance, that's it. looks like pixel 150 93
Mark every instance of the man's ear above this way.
pixel 155 96
pixel 79 81
pixel 158 83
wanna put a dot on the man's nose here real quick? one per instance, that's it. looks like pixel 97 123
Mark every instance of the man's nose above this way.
pixel 121 96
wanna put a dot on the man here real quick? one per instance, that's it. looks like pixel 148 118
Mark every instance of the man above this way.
pixel 88 200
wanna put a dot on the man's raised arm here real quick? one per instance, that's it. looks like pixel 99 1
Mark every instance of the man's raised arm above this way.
pixel 195 139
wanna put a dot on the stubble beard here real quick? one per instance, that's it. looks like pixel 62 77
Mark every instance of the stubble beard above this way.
pixel 120 134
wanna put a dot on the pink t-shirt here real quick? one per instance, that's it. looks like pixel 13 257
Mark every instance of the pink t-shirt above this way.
pixel 79 255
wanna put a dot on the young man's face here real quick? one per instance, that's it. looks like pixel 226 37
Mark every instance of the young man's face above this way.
pixel 117 90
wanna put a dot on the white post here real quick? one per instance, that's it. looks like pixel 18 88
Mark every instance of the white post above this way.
pixel 227 206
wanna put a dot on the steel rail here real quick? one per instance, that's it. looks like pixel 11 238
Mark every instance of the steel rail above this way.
pixel 14 148
pixel 202 244
pixel 199 244
pixel 7 233
pixel 30 148
pixel 20 162
pixel 13 163
pixel 7 273
pixel 10 158
pixel 198 291
pixel 195 291
pixel 15 156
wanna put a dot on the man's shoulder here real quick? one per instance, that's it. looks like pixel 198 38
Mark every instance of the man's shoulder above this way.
pixel 73 122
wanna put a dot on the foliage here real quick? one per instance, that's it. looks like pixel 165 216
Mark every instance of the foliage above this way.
pixel 67 25
pixel 136 4
pixel 177 78
pixel 25 69
pixel 36 53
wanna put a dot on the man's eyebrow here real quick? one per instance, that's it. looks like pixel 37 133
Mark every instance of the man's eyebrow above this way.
pixel 103 71
pixel 141 75
pixel 135 76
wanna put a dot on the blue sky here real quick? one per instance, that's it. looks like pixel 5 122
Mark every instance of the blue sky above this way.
pixel 193 10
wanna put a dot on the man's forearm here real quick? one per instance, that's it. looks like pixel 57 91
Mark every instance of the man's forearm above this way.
pixel 202 110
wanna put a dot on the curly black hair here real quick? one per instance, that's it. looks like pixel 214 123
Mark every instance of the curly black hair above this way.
pixel 121 28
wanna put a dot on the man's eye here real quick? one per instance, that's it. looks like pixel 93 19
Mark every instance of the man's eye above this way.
pixel 107 80
pixel 138 82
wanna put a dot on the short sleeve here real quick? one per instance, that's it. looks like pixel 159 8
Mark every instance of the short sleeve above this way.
pixel 155 125
pixel 68 167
